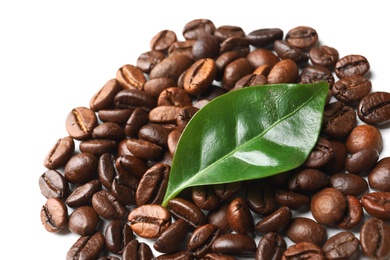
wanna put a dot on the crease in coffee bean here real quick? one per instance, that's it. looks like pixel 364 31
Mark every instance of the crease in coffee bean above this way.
pixel 79 120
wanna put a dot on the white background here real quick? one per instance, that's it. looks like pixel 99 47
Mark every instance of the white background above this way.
pixel 54 55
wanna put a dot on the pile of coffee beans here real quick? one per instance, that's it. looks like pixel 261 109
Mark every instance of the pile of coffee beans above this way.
pixel 105 181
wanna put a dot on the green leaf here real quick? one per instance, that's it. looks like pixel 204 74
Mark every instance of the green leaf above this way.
pixel 248 134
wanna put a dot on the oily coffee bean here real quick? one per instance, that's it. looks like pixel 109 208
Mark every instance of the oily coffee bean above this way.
pixel 285 71
pixel 204 197
pixel 285 50
pixel 324 55
pixel 108 258
pixel 202 239
pixel 328 206
pixel 173 237
pixel 316 73
pixel 353 213
pixel 104 98
pixel 98 147
pixel 206 46
pixel 123 188
pixel 250 80
pixel 343 245
pixel 133 98
pixel 184 209
pixel 117 235
pixel 308 180
pixel 174 96
pixel 107 169
pixel 54 215
pixel 164 114
pixel 81 168
pixel 320 154
pixel 216 256
pixel 234 244
pixel 130 77
pixel 263 38
pixel 179 255
pixel 144 149
pixel 53 184
pixel 351 65
pixel 131 164
pixel 154 133
pixel 182 47
pixel 293 200
pixel 275 222
pixel 149 220
pixel 172 141
pixel 362 161
pixel 374 108
pixel 218 217
pixel 137 250
pixel 200 76
pixel 336 164
pixel 271 246
pixel 108 131
pixel 82 195
pixel 147 60
pixel 155 86
pixel 302 229
pixel 171 67
pixel 80 123
pixel 116 115
pixel 349 184
pixel 86 247
pixel 339 120
pixel 364 136
pixel 60 153
pixel 239 217
pixel 107 206
pixel 223 60
pixel 198 27
pixel 163 40
pixel 225 31
pixel 378 176
pixel 184 115
pixel 83 221
pixel 302 37
pixel 261 198
pixel 377 204
pixel 351 89
pixel 375 239
pixel 261 57
pixel 303 250
pixel 135 122
pixel 235 43
pixel 234 71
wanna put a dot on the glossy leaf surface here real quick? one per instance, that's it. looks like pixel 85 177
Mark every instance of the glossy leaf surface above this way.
pixel 248 134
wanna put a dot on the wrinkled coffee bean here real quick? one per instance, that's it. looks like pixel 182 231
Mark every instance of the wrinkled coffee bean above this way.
pixel 54 215
pixel 53 184
pixel 86 247
pixel 377 204
pixel 60 153
pixel 352 65
pixel 271 246
pixel 374 108
pixel 375 239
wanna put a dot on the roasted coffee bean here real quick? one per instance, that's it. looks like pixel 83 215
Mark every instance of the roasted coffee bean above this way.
pixel 187 210
pixel 324 55
pixel 83 221
pixel 107 169
pixel 250 80
pixel 199 76
pixel 261 198
pixel 234 71
pixel 377 204
pixel 351 89
pixel 351 65
pixel 137 250
pixel 336 164
pixel 108 258
pixel 86 247
pixel 107 206
pixel 352 215
pixel 375 239
pixel 171 67
pixel 234 244
pixel 172 141
pixel 285 71
pixel 81 168
pixel 162 40
pixel 275 222
pixel 198 27
pixel 54 215
pixel 364 136
pixel 164 114
pixel 149 220
pixel 154 133
pixel 378 176
pixel 339 120
pixel 303 229
pixel 104 98
pixel 117 235
pixel 343 245
pixel 320 154
pixel 108 131
pixel 180 255
pixel 173 237
pixel 316 73
pixel 225 31
pixel 204 197
pixel 184 115
pixel 362 161
pixel 216 256
pixel 144 149
pixel 303 250
pixel 308 180
pixel 201 240
pixel 133 98
pixel 80 123
pixel 327 206
pixel 53 184
pixel 60 153
pixel 123 188
pixel 349 184
pixel 226 191
pixel 262 70
pixel 223 60
pixel 130 77
pixel 261 57
pixel 218 217
pixel 265 37
pixel 206 46
pixel 131 164
pixel 271 246
pixel 182 47
pixel 118 116
pixel 174 96
pixel 286 50
pixel 293 200
pixel 374 108
pixel 303 37
pixel 235 43
pixel 147 60
pixel 155 86
pixel 82 195
pixel 135 121
pixel 239 217
pixel 98 147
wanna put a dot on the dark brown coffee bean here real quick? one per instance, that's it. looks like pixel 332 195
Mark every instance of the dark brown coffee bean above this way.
pixel 180 255
pixel 108 258
pixel 104 98
pixel 130 77
pixel 135 121
pixel 349 184
pixel 153 184
pixel 364 136
pixel 235 43
pixel 98 147
pixel 261 198
pixel 265 37
pixel 352 215
pixel 53 184
pixel 234 244
pixel 362 161
pixel 204 197
pixel 164 114
pixel 147 60
pixel 82 195
pixel 154 133
pixel 275 222
pixel 262 70
pixel 81 168
pixel 83 221
pixel 107 206
pixel 293 200
pixel 261 57
pixel 144 149
pixel 198 27
pixel 171 67
pixel 374 108
pixel 133 98
pixel 327 206
pixel 187 210
pixel 118 116
pixel 124 187
pixel 343 245
pixel 149 220
pixel 108 130
pixel 107 169
pixel 239 217
pixel 375 239
pixel 271 246
pixel 303 37
pixel 206 46
pixel 223 60
pixel 336 164
pixel 285 50
pixel 218 217
pixel 226 191
pixel 86 247
pixel 234 71
pixel 324 55
pixel 173 139
pixel 60 153
pixel 137 250
pixel 351 89
pixel 250 80
pixel 117 235
pixel 54 215
pixel 303 250
pixel 352 65
pixel 308 180
pixel 285 71
pixel 131 165
pixel 216 256
pixel 182 47
pixel 201 240
pixel 320 154
pixel 302 229
pixel 316 73
pixel 80 123
pixel 225 31
pixel 200 76
pixel 155 86
pixel 377 204
pixel 339 120
pixel 174 96
pixel 184 115
pixel 163 40
pixel 378 176
pixel 173 237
